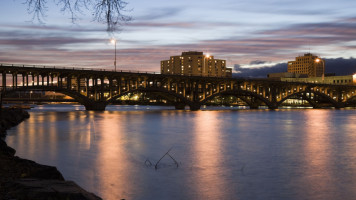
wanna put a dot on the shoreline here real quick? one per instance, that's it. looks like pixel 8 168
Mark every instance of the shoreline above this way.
pixel 26 179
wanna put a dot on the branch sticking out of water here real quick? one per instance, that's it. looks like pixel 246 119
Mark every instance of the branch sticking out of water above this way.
pixel 148 163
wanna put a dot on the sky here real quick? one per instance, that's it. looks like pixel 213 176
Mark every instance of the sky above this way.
pixel 248 34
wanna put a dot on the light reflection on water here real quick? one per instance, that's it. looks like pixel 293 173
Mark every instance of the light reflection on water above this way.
pixel 240 154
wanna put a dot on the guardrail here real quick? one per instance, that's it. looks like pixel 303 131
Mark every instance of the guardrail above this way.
pixel 75 68
pixel 98 69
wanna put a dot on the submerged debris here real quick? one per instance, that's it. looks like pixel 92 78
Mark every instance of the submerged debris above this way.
pixel 148 163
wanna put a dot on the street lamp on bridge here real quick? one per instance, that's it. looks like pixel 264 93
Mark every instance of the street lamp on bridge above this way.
pixel 113 41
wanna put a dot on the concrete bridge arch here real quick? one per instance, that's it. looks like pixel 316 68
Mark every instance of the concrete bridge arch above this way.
pixel 83 100
pixel 242 95
pixel 180 103
pixel 302 94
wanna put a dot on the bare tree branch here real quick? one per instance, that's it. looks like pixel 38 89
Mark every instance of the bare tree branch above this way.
pixel 109 12
pixel 37 8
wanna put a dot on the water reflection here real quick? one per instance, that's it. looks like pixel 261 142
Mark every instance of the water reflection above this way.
pixel 307 154
pixel 208 157
pixel 112 161
pixel 317 154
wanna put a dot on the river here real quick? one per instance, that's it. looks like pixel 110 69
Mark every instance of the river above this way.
pixel 230 153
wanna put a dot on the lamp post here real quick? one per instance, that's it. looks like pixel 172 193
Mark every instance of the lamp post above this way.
pixel 114 42
pixel 320 60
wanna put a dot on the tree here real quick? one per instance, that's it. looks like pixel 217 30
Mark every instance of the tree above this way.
pixel 106 11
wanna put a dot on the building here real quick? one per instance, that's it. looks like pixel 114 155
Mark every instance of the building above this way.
pixel 193 63
pixel 335 80
pixel 308 64
pixel 279 75
pixel 327 79
pixel 311 69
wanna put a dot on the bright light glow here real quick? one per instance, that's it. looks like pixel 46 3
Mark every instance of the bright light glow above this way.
pixel 113 41
pixel 354 78
pixel 317 60
pixel 207 56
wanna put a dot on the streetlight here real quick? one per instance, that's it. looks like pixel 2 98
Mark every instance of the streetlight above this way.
pixel 320 60
pixel 113 41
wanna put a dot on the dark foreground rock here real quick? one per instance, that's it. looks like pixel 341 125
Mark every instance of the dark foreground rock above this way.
pixel 46 189
pixel 10 117
pixel 22 179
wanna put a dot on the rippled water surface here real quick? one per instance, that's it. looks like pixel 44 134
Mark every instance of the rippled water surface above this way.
pixel 221 154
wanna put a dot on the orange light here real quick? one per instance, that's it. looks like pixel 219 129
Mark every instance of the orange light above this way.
pixel 317 60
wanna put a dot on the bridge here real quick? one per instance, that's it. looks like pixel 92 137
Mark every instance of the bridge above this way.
pixel 95 89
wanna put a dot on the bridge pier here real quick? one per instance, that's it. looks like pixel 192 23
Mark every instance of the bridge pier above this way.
pixel 340 105
pixel 194 107
pixel 253 107
pixel 95 106
pixel 179 106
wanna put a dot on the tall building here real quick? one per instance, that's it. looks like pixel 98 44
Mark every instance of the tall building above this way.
pixel 308 64
pixel 193 63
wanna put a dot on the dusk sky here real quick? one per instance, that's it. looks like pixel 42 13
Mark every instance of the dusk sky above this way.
pixel 249 33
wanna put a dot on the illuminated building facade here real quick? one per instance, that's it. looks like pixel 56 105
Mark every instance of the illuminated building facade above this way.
pixel 193 63
pixel 308 64
pixel 334 80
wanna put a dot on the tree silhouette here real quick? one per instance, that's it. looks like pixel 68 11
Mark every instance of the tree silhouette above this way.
pixel 109 12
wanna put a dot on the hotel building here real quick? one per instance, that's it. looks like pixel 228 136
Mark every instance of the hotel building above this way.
pixel 193 63
pixel 308 64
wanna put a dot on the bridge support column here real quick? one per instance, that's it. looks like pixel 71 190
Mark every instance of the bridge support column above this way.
pixel 87 87
pixel 340 105
pixel 110 87
pixel 16 81
pixel 102 88
pixel 95 106
pixel 4 80
pixel 253 106
pixel 179 106
pixel 194 107
pixel 26 80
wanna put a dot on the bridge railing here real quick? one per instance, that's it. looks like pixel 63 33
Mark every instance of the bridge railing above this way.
pixel 75 68
pixel 104 70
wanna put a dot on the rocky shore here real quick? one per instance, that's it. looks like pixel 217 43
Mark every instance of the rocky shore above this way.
pixel 22 179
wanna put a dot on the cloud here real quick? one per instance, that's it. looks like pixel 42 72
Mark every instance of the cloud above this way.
pixel 337 66
pixel 260 72
pixel 160 13
pixel 340 66
pixel 257 62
